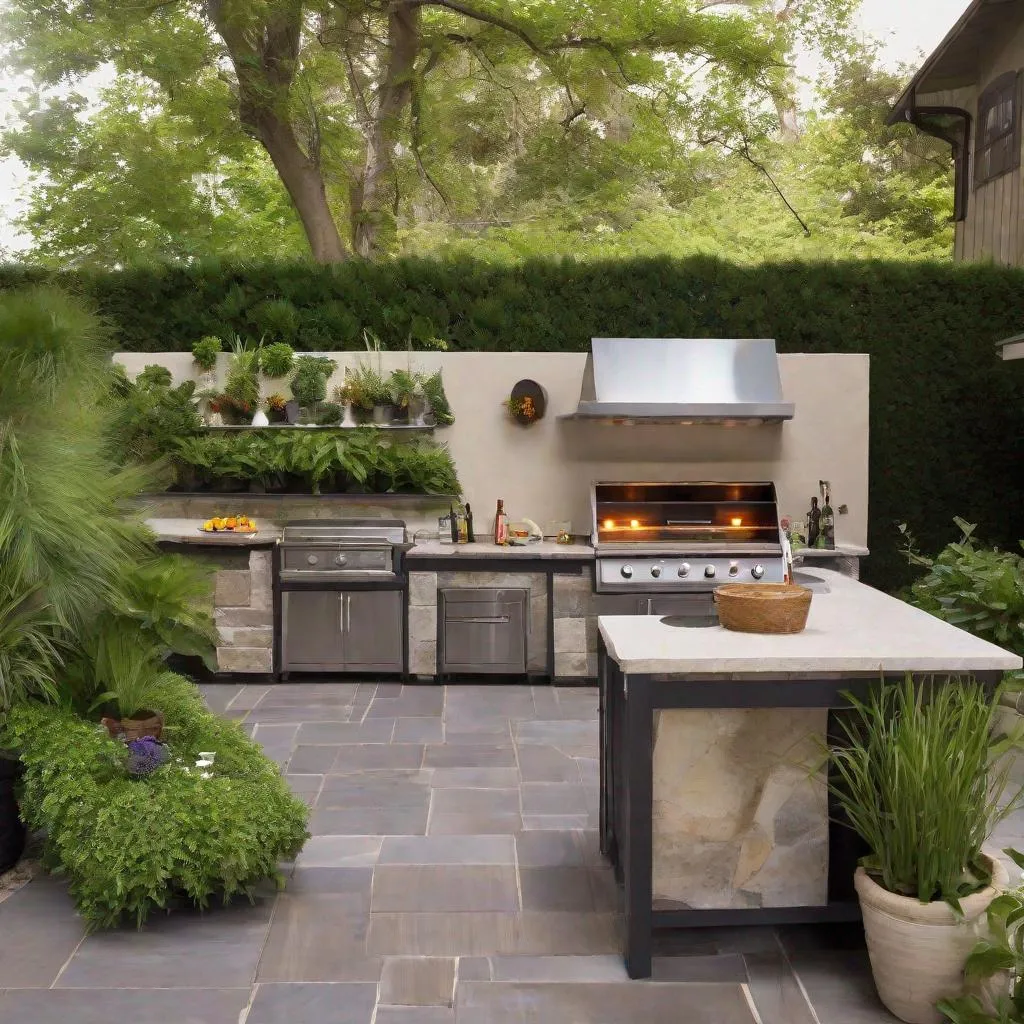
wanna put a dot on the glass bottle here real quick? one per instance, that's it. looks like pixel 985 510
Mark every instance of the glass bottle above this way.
pixel 827 535
pixel 500 524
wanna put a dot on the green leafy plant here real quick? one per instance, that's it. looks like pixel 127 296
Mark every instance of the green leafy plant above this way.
pixel 154 375
pixel 147 421
pixel 916 774
pixel 433 389
pixel 278 359
pixel 309 382
pixel 405 387
pixel 328 414
pixel 29 654
pixel 242 385
pixel 206 350
pixel 128 670
pixel 168 600
pixel 275 406
pixel 366 388
pixel 977 588
pixel 129 846
pixel 994 973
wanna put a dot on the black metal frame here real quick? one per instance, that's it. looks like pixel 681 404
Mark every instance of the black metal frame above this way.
pixel 627 706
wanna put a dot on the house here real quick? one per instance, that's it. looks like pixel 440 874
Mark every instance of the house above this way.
pixel 969 93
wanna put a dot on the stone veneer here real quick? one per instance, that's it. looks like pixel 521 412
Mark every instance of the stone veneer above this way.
pixel 243 602
pixel 740 812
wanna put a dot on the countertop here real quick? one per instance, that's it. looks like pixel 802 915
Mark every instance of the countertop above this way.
pixel 537 549
pixel 189 531
pixel 839 551
pixel 853 628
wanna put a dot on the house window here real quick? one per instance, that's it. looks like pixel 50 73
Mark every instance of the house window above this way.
pixel 997 143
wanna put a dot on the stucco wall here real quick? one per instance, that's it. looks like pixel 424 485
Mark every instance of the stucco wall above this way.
pixel 545 471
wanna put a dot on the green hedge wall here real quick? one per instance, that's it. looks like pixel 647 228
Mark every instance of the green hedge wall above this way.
pixel 946 415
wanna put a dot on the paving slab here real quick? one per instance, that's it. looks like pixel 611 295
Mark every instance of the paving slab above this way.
pixel 186 949
pixel 48 931
pixel 139 1005
pixel 313 1003
pixel 471 849
pixel 340 851
pixel 379 730
pixel 417 981
pixel 444 887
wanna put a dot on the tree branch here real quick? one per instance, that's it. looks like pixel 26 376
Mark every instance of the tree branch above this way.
pixel 744 151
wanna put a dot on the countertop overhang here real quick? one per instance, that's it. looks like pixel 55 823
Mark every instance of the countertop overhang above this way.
pixel 853 628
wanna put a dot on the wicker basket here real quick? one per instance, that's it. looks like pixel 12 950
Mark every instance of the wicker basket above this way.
pixel 763 607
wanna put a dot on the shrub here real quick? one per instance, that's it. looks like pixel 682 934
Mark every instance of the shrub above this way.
pixel 146 420
pixel 976 588
pixel 154 375
pixel 130 846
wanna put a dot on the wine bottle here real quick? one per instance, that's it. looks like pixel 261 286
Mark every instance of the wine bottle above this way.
pixel 454 524
pixel 500 524
pixel 470 535
pixel 827 536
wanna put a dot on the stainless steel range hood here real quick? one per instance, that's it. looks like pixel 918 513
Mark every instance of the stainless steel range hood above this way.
pixel 682 380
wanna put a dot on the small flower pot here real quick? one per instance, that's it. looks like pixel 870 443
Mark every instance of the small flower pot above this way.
pixel 146 723
pixel 383 414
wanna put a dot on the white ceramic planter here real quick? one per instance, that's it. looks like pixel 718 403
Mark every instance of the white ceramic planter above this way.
pixel 918 950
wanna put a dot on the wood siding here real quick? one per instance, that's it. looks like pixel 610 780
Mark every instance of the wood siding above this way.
pixel 992 229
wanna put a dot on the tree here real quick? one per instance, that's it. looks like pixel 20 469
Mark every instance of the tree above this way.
pixel 347 97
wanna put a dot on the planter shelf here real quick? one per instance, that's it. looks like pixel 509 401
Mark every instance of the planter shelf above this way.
pixel 407 427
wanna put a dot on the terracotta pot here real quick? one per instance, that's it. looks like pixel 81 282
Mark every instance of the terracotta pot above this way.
pixel 918 950
pixel 148 723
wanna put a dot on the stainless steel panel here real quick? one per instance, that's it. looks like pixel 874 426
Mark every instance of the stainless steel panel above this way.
pixel 374 638
pixel 311 631
pixel 683 379
pixel 336 558
pixel 483 631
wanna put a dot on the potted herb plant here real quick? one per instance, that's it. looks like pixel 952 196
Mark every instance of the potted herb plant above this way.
pixel 130 671
pixel 342 396
pixel 309 384
pixel 277 360
pixel 205 352
pixel 406 393
pixel 242 387
pixel 915 776
pixel 527 403
pixel 275 408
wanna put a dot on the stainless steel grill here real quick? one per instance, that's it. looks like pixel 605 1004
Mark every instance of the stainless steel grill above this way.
pixel 341 549
pixel 684 538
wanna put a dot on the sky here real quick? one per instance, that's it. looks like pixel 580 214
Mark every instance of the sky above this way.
pixel 909 29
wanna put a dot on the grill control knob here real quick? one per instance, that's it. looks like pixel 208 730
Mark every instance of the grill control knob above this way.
pixel 627 571
pixel 757 572
pixel 709 572
pixel 655 571
pixel 684 569
pixel 311 559
pixel 734 569
pixel 340 559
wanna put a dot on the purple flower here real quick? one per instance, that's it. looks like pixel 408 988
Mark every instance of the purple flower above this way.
pixel 145 756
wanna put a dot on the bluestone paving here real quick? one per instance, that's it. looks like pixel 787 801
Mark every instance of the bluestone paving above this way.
pixel 454 857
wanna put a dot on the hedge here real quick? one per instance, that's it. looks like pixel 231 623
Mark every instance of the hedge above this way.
pixel 946 415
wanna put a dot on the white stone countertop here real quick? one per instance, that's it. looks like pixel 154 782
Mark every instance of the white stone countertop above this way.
pixel 433 548
pixel 853 628
pixel 189 531
pixel 839 551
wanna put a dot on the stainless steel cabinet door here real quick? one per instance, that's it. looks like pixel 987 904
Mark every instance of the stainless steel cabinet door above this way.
pixel 374 638
pixel 483 631
pixel 311 631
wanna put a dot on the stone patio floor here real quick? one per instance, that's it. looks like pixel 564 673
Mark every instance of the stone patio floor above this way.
pixel 453 877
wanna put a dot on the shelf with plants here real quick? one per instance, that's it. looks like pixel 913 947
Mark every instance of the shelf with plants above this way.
pixel 424 428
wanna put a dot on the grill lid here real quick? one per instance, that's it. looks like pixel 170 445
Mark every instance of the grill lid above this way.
pixel 682 380
pixel 344 531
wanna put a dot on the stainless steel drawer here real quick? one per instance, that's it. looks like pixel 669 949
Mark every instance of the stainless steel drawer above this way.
pixel 483 631
pixel 312 559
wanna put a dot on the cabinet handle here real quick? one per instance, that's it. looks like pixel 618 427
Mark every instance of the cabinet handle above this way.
pixel 493 620
pixel 341 612
pixel 348 613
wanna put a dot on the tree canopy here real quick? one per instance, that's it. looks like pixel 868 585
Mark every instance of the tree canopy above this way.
pixel 369 127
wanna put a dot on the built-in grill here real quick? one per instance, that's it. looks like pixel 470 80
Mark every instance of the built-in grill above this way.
pixel 342 602
pixel 340 549
pixel 655 539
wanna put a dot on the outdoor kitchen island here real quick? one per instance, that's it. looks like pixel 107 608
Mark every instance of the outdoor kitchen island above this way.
pixel 714 808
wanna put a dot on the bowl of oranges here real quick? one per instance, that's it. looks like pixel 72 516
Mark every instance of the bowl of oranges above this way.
pixel 229 524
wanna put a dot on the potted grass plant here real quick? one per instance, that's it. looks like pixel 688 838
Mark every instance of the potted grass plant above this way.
pixel 916 775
